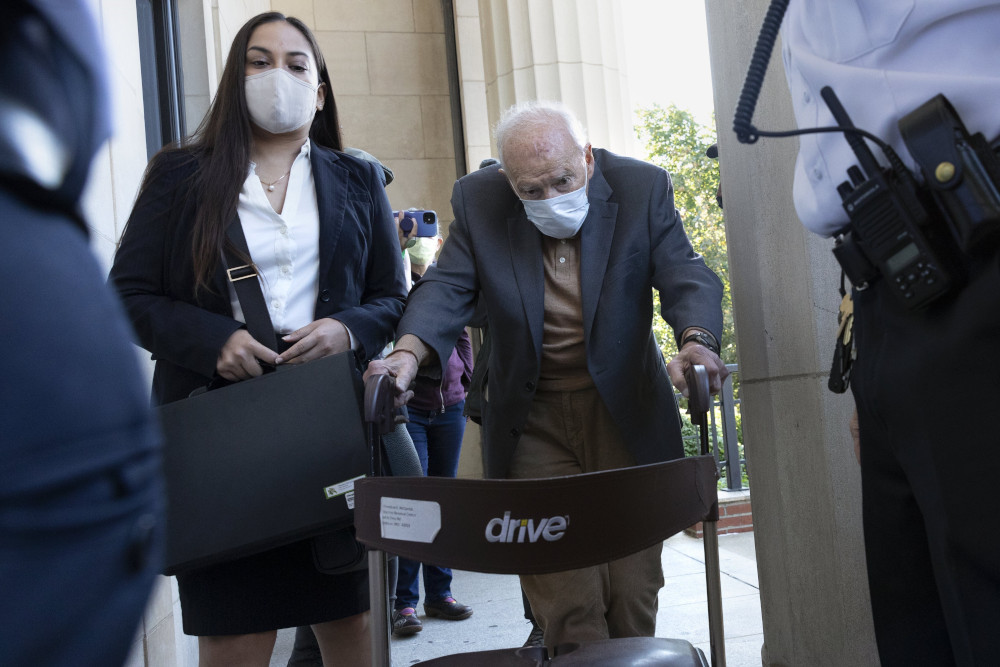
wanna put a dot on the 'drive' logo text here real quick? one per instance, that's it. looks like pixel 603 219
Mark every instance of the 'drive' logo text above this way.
pixel 516 530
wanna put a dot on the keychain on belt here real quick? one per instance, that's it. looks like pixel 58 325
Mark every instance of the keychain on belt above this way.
pixel 843 351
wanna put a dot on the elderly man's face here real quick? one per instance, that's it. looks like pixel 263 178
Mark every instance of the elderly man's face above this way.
pixel 546 163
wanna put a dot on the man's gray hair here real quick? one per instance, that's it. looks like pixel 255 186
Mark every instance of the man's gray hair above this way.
pixel 536 114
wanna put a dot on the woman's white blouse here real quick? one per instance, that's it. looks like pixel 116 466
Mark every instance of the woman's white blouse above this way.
pixel 285 246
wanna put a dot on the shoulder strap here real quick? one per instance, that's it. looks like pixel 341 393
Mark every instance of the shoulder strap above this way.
pixel 244 280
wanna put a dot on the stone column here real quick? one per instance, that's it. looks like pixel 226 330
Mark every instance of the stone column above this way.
pixel 564 50
pixel 805 481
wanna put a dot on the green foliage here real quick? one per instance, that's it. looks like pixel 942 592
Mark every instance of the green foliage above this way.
pixel 692 438
pixel 676 141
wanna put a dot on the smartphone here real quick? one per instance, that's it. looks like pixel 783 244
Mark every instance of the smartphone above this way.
pixel 426 222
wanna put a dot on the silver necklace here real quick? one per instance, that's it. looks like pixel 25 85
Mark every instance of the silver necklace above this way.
pixel 270 186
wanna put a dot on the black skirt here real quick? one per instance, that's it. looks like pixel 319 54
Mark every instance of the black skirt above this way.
pixel 280 588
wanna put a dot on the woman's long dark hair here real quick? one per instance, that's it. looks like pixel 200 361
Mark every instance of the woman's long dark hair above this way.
pixel 221 145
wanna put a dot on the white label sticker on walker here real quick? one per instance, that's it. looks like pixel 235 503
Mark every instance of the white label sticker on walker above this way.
pixel 341 488
pixel 410 520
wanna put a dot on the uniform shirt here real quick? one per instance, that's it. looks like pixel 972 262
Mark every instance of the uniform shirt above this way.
pixel 284 246
pixel 883 59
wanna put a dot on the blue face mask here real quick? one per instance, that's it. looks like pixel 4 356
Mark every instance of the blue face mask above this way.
pixel 560 217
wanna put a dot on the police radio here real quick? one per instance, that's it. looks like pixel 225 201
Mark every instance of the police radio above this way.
pixel 893 231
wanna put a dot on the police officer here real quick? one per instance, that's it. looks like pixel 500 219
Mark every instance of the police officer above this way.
pixel 923 378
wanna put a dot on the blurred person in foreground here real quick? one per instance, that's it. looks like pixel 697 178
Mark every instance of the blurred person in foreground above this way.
pixel 319 229
pixel 931 542
pixel 80 488
pixel 565 244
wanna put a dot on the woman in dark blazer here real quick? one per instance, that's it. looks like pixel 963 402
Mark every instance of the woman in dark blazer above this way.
pixel 320 232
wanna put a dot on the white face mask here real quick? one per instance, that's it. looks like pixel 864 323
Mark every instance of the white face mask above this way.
pixel 279 102
pixel 560 217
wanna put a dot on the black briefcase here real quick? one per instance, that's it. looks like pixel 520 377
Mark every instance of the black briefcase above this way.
pixel 263 462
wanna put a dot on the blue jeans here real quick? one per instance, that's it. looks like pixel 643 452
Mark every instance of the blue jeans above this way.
pixel 437 437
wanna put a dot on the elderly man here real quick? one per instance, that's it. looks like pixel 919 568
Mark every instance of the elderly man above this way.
pixel 565 244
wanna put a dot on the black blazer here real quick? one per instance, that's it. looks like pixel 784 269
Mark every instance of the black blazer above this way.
pixel 361 271
pixel 632 242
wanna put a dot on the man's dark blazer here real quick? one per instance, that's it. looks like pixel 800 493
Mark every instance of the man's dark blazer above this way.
pixel 361 273
pixel 632 242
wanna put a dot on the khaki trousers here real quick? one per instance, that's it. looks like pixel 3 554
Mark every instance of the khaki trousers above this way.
pixel 569 433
